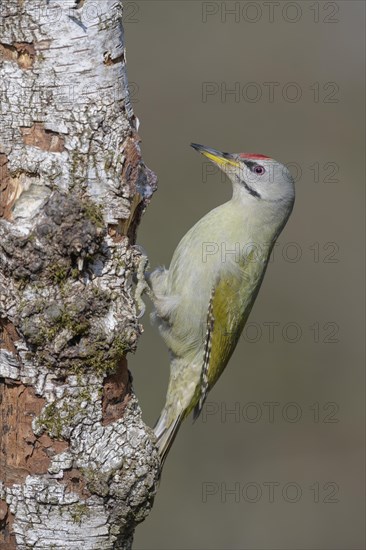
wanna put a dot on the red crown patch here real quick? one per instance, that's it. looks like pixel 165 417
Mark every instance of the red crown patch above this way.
pixel 252 156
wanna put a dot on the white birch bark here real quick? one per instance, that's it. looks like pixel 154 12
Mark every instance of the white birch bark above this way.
pixel 78 467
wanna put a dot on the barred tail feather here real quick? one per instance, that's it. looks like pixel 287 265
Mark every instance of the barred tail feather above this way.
pixel 206 358
pixel 166 434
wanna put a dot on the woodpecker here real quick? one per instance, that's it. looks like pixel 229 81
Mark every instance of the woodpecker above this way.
pixel 203 300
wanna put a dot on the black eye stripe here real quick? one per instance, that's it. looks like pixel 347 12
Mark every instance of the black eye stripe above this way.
pixel 251 164
pixel 254 167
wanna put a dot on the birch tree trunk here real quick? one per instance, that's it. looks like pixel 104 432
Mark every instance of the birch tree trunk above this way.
pixel 78 467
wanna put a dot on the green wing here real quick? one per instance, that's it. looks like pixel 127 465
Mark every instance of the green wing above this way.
pixel 231 301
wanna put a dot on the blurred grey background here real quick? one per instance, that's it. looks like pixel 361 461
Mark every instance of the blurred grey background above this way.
pixel 284 469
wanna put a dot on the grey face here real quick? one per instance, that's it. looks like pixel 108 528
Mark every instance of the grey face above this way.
pixel 263 179
pixel 252 175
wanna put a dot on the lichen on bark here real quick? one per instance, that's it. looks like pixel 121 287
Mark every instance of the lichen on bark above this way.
pixel 78 465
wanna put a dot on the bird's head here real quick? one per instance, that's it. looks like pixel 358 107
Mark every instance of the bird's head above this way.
pixel 254 177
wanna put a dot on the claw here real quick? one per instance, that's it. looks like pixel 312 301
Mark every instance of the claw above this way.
pixel 141 285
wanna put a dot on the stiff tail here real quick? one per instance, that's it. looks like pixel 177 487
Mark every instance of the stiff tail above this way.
pixel 166 433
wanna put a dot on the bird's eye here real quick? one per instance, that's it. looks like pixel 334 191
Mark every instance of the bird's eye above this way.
pixel 259 170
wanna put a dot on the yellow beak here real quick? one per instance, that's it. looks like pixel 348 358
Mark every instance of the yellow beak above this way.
pixel 222 159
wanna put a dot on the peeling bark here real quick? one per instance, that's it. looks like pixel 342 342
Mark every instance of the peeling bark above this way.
pixel 22 53
pixel 77 463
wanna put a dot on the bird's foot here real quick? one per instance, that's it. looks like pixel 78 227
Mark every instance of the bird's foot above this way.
pixel 141 282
